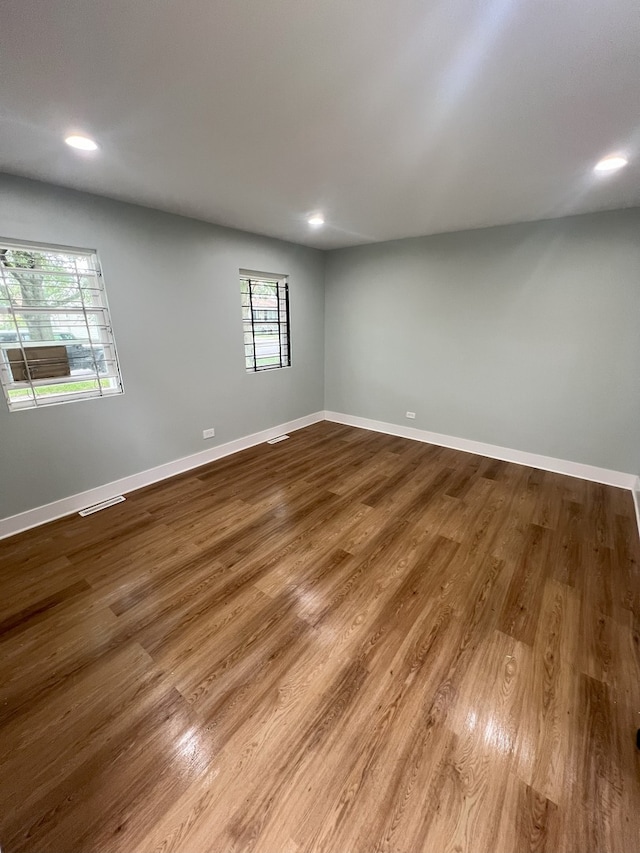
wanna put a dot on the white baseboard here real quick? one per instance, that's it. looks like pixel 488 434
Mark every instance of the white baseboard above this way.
pixel 74 503
pixel 506 454
pixel 636 500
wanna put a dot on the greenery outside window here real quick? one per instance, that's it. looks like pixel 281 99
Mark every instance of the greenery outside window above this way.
pixel 56 340
pixel 265 318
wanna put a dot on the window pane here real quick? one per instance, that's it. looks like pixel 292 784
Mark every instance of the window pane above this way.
pixel 265 322
pixel 54 323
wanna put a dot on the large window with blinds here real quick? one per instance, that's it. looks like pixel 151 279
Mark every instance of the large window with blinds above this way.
pixel 56 341
pixel 265 317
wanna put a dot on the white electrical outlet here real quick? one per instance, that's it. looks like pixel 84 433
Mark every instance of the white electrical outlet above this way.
pixel 208 433
pixel 411 415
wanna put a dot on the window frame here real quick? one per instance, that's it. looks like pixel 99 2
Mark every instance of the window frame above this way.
pixel 283 321
pixel 108 345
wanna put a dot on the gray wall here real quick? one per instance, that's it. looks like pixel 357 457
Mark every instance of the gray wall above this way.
pixel 524 336
pixel 173 290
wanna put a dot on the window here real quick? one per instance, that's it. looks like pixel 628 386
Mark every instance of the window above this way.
pixel 265 318
pixel 56 342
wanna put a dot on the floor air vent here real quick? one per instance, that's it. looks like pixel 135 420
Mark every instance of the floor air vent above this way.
pixel 103 505
pixel 277 439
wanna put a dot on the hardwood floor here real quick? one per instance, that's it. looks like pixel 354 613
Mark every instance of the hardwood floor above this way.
pixel 343 642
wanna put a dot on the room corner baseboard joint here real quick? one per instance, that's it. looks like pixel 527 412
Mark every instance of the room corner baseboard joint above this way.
pixel 505 454
pixel 74 503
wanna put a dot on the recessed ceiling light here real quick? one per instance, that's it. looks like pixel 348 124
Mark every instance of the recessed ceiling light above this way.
pixel 83 143
pixel 316 220
pixel 611 163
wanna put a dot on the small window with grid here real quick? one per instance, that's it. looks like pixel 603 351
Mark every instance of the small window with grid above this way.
pixel 265 318
pixel 56 341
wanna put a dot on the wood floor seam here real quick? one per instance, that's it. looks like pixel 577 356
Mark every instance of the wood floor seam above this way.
pixel 347 642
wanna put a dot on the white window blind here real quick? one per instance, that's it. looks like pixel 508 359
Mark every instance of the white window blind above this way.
pixel 265 317
pixel 56 340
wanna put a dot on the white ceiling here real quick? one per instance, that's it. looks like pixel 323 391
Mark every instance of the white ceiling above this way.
pixel 393 117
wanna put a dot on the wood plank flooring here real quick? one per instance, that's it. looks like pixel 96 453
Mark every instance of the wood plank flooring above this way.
pixel 346 642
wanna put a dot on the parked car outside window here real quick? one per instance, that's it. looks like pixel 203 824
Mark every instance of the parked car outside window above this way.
pixel 80 355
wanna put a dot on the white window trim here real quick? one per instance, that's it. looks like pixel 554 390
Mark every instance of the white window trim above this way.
pixel 29 403
pixel 269 278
